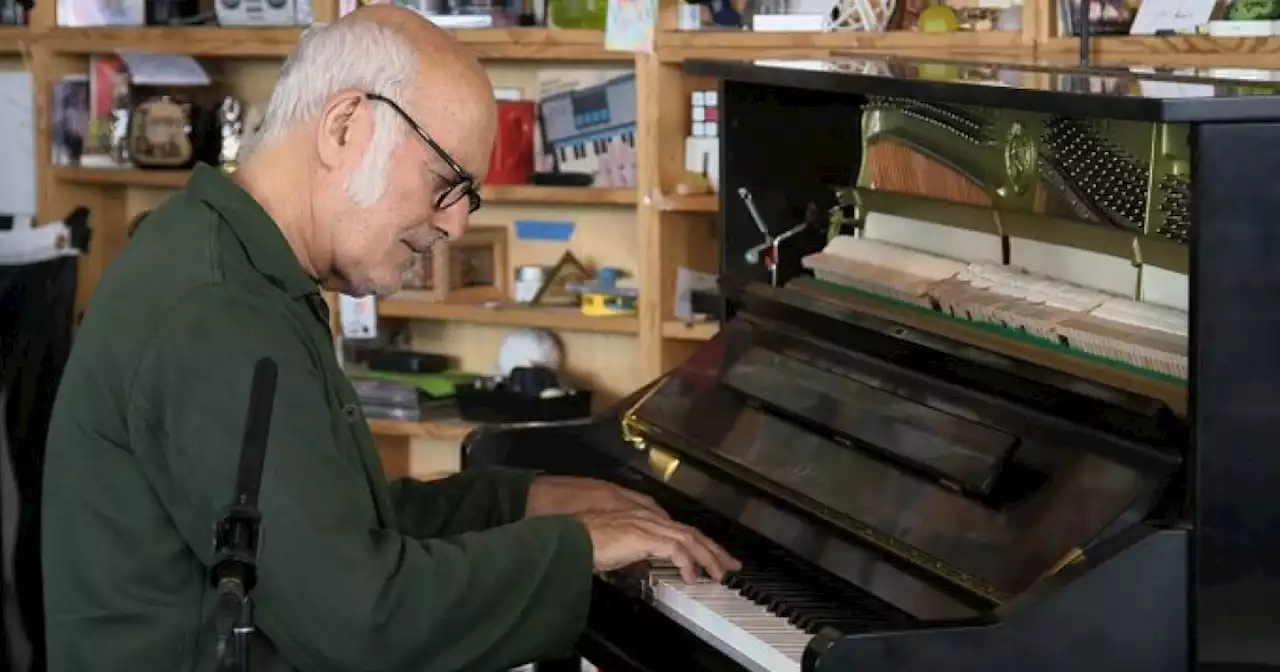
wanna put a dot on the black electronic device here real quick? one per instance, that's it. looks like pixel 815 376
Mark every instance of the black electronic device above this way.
pixel 527 394
pixel 237 535
pixel 407 361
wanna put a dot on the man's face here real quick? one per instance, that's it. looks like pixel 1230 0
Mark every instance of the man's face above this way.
pixel 376 244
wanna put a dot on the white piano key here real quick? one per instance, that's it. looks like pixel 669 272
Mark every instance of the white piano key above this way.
pixel 738 627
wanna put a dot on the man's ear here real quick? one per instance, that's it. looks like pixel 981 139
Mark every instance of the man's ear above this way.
pixel 345 122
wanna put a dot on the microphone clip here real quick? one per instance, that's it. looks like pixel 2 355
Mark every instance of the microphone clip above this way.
pixel 235 573
pixel 236 539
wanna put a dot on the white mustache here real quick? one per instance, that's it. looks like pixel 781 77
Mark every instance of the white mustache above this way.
pixel 425 247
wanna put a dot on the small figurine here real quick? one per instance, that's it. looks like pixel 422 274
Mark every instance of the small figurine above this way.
pixel 231 126
pixel 121 111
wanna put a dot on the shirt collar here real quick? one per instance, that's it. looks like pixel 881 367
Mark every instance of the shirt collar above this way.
pixel 263 242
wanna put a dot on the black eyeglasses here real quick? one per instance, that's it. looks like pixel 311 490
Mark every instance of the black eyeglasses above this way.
pixel 463 184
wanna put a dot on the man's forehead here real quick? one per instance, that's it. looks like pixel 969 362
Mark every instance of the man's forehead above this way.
pixel 463 130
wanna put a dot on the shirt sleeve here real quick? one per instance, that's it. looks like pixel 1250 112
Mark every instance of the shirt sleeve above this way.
pixel 466 502
pixel 336 591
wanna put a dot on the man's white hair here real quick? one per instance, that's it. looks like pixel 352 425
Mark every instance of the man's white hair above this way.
pixel 360 55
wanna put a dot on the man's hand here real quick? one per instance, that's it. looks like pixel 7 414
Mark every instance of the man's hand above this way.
pixel 569 495
pixel 623 538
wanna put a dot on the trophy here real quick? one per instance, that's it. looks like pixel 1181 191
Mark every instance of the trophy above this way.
pixel 231 125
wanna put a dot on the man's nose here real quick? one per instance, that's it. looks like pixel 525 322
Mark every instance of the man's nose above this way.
pixel 452 222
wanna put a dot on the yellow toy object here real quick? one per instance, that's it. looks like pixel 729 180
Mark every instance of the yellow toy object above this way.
pixel 605 305
pixel 938 19
pixel 604 296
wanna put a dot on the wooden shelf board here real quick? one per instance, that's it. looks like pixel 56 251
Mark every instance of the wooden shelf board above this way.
pixel 532 44
pixel 447 430
pixel 174 179
pixel 689 331
pixel 676 46
pixel 404 305
pixel 539 44
pixel 1187 50
pixel 698 203
pixel 122 177
pixel 14 39
pixel 193 41
pixel 558 195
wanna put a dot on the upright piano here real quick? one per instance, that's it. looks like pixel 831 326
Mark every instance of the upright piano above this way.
pixel 998 388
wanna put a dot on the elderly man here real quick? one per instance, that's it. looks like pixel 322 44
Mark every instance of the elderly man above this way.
pixel 372 148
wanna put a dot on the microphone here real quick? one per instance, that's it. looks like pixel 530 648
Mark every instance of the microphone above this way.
pixel 236 536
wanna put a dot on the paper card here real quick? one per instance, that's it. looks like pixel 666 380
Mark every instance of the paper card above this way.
pixel 18 170
pixel 1171 16
pixel 630 25
pixel 358 315
pixel 147 69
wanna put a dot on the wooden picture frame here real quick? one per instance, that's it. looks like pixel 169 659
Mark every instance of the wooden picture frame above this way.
pixel 476 268
pixel 470 270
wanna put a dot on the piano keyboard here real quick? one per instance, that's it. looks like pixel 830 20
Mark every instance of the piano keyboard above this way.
pixel 745 631
pixel 763 615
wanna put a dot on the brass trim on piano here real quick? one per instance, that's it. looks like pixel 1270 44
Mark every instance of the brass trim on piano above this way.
pixel 633 427
pixel 663 463
pixel 631 432
pixel 1072 557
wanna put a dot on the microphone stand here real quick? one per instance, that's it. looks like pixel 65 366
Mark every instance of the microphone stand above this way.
pixel 1086 32
pixel 237 534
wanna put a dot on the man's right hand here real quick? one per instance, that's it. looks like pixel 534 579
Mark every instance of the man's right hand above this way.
pixel 623 538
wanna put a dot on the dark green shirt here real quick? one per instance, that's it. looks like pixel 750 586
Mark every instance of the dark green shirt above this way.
pixel 353 574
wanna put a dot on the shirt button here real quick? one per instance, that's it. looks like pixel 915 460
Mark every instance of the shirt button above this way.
pixel 351 412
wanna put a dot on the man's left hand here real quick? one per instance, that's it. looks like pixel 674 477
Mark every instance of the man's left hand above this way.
pixel 571 495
